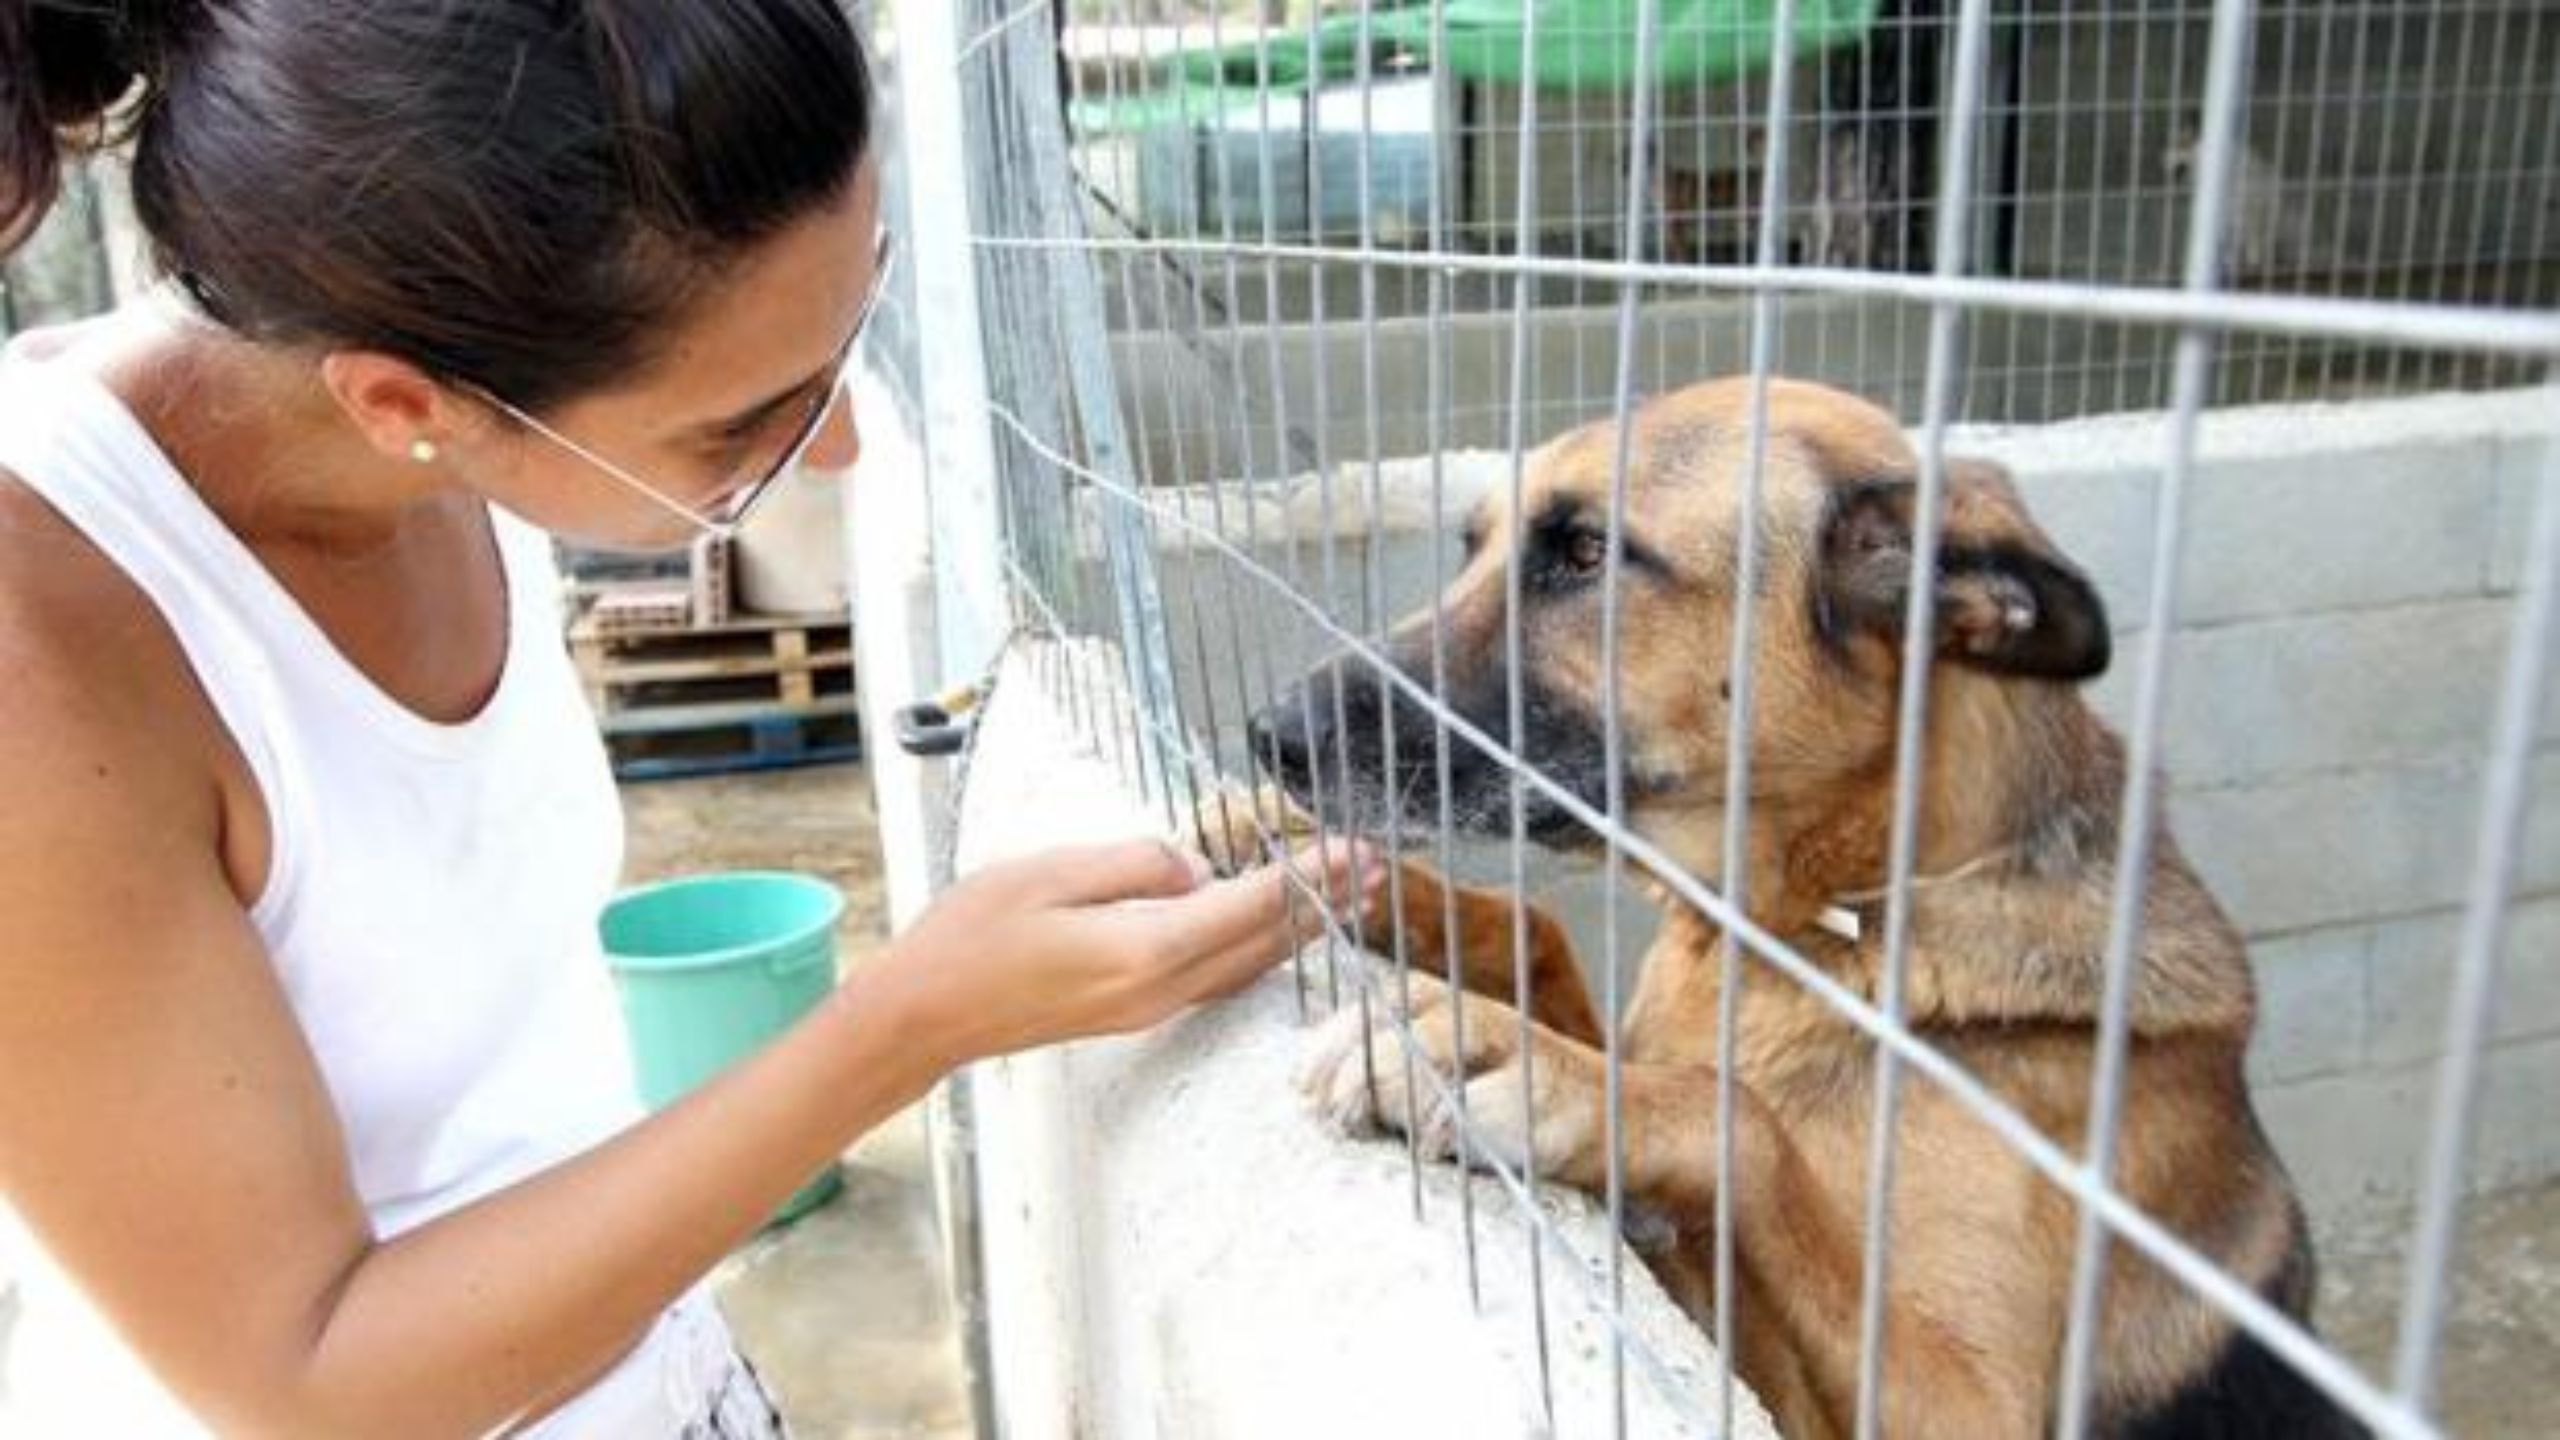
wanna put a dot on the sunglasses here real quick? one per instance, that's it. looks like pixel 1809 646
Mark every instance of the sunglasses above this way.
pixel 740 496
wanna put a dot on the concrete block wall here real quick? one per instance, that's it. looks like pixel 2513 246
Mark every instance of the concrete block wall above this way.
pixel 2347 584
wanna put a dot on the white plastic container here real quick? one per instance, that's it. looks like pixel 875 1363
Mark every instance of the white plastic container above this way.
pixel 790 558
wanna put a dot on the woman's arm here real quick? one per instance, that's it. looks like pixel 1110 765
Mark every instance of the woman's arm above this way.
pixel 164 1130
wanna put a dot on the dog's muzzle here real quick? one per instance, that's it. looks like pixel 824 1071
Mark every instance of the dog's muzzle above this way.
pixel 1354 749
pixel 1299 738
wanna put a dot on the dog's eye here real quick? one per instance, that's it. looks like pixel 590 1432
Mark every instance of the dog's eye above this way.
pixel 1586 550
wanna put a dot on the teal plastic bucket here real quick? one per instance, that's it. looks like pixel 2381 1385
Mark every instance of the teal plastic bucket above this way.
pixel 711 969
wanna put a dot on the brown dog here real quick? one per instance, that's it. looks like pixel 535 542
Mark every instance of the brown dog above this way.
pixel 2020 805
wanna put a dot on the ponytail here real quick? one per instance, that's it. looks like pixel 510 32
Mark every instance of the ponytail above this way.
pixel 64 67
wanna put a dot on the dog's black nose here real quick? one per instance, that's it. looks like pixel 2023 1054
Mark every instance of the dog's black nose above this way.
pixel 1290 733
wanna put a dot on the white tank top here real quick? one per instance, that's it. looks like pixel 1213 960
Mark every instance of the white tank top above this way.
pixel 430 906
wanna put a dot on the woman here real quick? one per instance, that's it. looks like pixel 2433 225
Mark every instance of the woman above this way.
pixel 313 1100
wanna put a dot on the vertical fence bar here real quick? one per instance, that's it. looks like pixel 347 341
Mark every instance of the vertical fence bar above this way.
pixel 2341 261
pixel 1436 393
pixel 1328 547
pixel 2138 90
pixel 1285 454
pixel 2303 354
pixel 2259 348
pixel 1955 194
pixel 1318 454
pixel 2485 244
pixel 1099 713
pixel 1185 810
pixel 1042 537
pixel 1515 718
pixel 1373 596
pixel 1613 738
pixel 2225 68
pixel 1742 671
pixel 2505 795
pixel 1252 472
pixel 970 605
pixel 1146 639
pixel 2402 262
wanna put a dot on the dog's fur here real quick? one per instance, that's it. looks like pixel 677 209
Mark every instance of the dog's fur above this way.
pixel 2020 800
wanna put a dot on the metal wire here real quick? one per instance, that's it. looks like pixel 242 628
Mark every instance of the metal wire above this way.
pixel 2134 845
pixel 2523 334
pixel 2475 975
pixel 1515 713
pixel 1919 652
pixel 2023 189
pixel 2280 1333
pixel 1612 719
pixel 1742 677
pixel 1436 394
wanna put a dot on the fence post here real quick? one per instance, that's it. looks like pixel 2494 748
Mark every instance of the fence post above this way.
pixel 969 582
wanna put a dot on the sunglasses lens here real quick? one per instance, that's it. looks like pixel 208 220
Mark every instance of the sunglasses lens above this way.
pixel 733 511
pixel 771 472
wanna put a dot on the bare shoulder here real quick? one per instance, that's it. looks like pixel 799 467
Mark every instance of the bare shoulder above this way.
pixel 100 724
pixel 164 1131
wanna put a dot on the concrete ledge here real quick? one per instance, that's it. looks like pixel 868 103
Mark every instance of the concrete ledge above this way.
pixel 1177 1248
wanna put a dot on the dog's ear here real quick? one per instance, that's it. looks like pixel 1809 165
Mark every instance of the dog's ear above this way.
pixel 2008 601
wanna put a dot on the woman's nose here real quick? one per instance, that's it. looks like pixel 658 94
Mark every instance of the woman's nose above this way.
pixel 837 443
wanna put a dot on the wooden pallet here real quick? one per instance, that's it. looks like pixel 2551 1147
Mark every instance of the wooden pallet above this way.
pixel 758 692
pixel 677 741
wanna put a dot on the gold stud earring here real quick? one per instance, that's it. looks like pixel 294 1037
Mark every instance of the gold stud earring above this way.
pixel 423 451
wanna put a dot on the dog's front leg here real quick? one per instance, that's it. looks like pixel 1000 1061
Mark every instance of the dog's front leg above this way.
pixel 1486 938
pixel 1957 1373
pixel 1550 1116
pixel 1528 1094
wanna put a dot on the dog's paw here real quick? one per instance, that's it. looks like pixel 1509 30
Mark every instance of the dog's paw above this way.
pixel 1236 829
pixel 1515 1116
pixel 1350 1050
pixel 1375 1073
pixel 1469 1098
pixel 1338 1040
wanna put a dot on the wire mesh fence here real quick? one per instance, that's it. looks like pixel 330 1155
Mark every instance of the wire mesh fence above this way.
pixel 2388 152
pixel 1267 308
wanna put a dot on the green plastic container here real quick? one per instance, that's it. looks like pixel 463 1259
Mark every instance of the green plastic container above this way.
pixel 713 967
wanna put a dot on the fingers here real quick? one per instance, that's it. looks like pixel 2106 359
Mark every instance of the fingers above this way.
pixel 1224 973
pixel 1129 870
pixel 1235 930
pixel 1267 905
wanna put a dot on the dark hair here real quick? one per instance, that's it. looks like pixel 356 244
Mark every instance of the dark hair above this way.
pixel 512 193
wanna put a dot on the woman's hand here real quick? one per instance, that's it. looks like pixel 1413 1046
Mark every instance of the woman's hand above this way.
pixel 1103 939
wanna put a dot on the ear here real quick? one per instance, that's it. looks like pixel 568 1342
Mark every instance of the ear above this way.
pixel 2007 600
pixel 392 402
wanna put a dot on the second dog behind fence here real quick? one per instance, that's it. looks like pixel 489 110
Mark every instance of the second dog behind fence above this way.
pixel 2021 788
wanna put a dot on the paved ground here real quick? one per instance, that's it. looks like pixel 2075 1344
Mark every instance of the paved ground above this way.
pixel 846 1312
pixel 2502 1348
pixel 818 820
